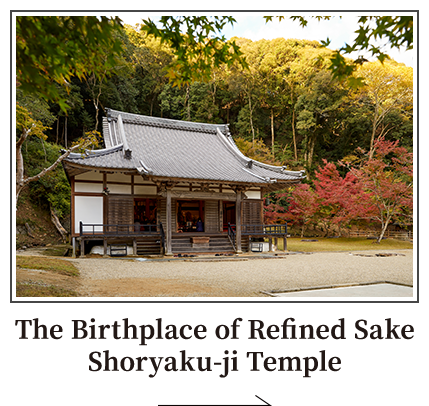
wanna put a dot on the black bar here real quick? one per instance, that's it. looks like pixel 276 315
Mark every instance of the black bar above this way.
pixel 262 229
pixel 215 400
pixel 119 229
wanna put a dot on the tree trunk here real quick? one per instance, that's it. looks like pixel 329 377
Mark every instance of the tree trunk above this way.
pixel 293 125
pixel 21 179
pixel 251 119
pixel 294 135
pixel 65 132
pixel 58 225
pixel 375 123
pixel 152 101
pixel 63 139
pixel 44 150
pixel 383 230
pixel 310 150
pixel 58 129
pixel 20 183
pixel 29 232
pixel 188 107
pixel 272 131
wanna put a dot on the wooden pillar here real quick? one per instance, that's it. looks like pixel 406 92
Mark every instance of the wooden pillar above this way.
pixel 270 244
pixel 105 202
pixel 105 247
pixel 284 244
pixel 82 248
pixel 238 221
pixel 74 247
pixel 134 246
pixel 220 216
pixel 168 231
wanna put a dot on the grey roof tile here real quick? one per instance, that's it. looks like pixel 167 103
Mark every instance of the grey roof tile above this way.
pixel 178 149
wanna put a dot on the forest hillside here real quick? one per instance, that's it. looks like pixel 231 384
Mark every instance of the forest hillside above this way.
pixel 285 108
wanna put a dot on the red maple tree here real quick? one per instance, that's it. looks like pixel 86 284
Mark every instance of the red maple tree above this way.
pixel 303 206
pixel 387 178
pixel 379 189
pixel 340 199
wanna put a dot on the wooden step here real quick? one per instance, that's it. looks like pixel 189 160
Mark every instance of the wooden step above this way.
pixel 217 244
pixel 149 246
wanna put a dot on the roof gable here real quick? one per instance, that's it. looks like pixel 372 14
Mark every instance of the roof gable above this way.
pixel 163 148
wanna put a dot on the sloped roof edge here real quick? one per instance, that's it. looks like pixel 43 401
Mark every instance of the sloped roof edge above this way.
pixel 89 153
pixel 280 169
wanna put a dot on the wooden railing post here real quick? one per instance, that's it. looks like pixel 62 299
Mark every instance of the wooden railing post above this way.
pixel 105 247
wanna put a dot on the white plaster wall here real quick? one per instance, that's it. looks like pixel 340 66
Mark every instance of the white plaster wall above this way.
pixel 253 194
pixel 88 187
pixel 90 176
pixel 118 177
pixel 119 189
pixel 139 179
pixel 88 209
pixel 144 190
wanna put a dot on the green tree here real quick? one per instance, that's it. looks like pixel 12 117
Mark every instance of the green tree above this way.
pixel 317 113
pixel 27 126
pixel 51 50
pixel 387 88
pixel 196 45
pixel 397 31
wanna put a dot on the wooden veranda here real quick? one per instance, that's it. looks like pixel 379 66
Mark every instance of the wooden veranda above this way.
pixel 153 236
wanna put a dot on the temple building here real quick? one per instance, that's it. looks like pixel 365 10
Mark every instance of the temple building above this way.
pixel 167 186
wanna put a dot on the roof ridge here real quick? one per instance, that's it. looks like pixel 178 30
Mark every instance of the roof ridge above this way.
pixel 166 122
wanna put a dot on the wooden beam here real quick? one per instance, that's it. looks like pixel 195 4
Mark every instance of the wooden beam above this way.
pixel 178 194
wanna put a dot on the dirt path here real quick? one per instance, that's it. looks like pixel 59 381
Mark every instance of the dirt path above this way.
pixel 241 277
pixel 149 287
pixel 226 277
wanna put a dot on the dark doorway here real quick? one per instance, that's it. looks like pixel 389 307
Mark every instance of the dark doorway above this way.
pixel 228 214
pixel 145 214
pixel 190 216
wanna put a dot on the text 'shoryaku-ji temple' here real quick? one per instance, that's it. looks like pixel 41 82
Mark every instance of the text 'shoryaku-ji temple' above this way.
pixel 168 186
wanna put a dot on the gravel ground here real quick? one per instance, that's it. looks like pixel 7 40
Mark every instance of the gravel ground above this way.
pixel 239 276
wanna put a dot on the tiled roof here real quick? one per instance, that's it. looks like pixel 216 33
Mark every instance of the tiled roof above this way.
pixel 163 148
